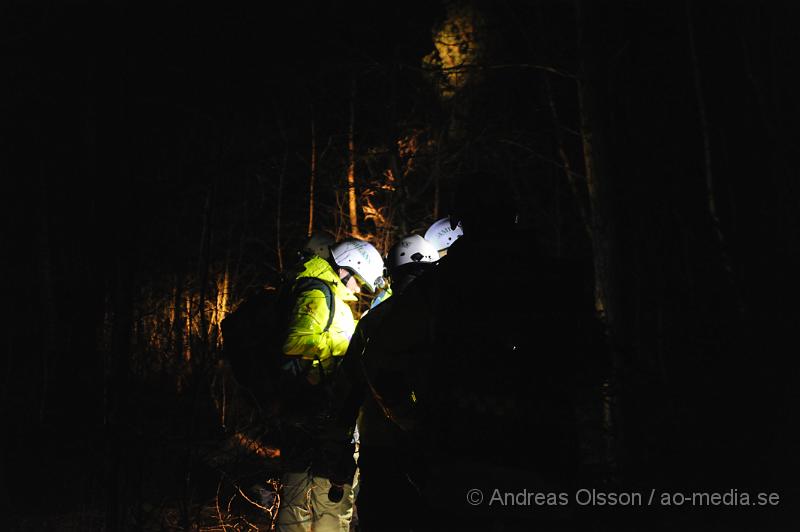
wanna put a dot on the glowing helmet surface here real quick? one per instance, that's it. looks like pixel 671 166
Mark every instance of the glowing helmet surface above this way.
pixel 362 259
pixel 411 249
pixel 441 235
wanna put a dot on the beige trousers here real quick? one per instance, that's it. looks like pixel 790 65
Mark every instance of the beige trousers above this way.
pixel 305 506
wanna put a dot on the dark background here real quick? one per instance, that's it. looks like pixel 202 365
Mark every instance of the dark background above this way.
pixel 146 147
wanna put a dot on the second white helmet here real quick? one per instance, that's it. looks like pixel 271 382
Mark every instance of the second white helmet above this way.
pixel 362 259
pixel 319 244
pixel 441 235
pixel 411 249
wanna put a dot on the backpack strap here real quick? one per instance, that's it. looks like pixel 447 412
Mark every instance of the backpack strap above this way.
pixel 312 283
pixel 304 285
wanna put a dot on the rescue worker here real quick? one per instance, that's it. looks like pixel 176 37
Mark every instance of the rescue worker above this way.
pixel 407 259
pixel 442 235
pixel 480 386
pixel 315 343
pixel 382 464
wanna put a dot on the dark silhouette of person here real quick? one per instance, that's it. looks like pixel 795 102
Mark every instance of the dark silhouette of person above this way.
pixel 475 364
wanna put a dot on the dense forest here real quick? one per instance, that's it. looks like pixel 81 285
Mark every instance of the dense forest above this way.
pixel 161 160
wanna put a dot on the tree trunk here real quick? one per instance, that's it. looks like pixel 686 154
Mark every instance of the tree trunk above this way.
pixel 577 191
pixel 278 214
pixel 351 165
pixel 725 259
pixel 205 255
pixel 176 343
pixel 593 130
pixel 312 178
pixel 437 174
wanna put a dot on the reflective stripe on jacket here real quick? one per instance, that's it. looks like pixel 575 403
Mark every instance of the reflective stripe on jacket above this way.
pixel 382 296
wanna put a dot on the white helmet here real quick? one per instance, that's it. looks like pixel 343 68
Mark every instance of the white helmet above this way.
pixel 441 235
pixel 362 259
pixel 411 249
pixel 319 244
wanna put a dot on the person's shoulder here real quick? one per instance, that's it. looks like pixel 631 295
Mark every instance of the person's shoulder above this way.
pixel 313 289
pixel 376 314
pixel 417 296
pixel 318 271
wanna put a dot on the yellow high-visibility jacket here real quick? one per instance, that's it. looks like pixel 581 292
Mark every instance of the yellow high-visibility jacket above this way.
pixel 306 337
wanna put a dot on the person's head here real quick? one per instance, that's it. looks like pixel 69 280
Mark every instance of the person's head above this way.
pixel 485 204
pixel 441 234
pixel 410 256
pixel 358 263
pixel 319 244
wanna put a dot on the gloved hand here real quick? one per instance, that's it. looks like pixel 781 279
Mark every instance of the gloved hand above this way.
pixel 342 468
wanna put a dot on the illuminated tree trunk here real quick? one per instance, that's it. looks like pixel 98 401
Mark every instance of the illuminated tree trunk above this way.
pixel 351 165
pixel 395 207
pixel 177 317
pixel 312 178
pixel 221 306
pixel 187 333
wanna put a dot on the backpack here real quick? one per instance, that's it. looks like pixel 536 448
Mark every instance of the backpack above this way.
pixel 253 335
